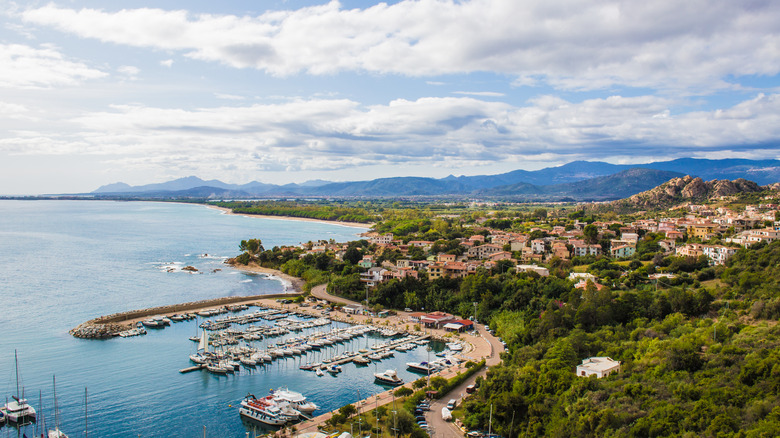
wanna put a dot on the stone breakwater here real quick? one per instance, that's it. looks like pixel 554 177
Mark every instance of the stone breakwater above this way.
pixel 109 326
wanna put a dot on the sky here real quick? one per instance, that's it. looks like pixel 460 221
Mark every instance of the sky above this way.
pixel 95 92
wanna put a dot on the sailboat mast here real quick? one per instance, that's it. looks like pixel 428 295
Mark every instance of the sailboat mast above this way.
pixel 16 364
pixel 86 428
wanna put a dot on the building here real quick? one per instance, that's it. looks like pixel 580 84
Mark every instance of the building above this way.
pixel 543 272
pixel 436 319
pixel 622 251
pixel 598 366
pixel 459 325
pixel 352 309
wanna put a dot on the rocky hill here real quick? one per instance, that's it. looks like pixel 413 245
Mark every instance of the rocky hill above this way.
pixel 688 189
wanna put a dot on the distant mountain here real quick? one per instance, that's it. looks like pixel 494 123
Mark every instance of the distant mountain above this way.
pixel 619 185
pixel 518 182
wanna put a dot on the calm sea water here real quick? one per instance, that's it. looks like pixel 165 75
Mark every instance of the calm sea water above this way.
pixel 65 262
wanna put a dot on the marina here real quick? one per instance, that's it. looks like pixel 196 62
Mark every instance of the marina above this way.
pixel 100 258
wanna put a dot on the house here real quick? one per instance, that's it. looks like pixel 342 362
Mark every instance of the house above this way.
pixel 581 276
pixel 373 276
pixel 459 325
pixel 767 235
pixel 598 366
pixel 582 249
pixel 543 272
pixel 367 261
pixel 622 251
pixel 537 245
pixel 484 251
pixel 352 309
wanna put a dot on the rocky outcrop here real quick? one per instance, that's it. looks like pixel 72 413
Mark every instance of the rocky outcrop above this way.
pixel 690 189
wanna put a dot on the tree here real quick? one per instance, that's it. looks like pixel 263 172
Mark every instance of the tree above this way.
pixel 353 255
pixel 403 392
pixel 591 233
pixel 347 411
pixel 252 246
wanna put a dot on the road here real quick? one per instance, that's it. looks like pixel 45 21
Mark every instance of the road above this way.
pixel 448 429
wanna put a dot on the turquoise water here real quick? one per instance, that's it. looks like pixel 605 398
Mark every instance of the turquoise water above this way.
pixel 65 262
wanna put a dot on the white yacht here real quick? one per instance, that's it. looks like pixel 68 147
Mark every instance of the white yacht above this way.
pixel 296 400
pixel 389 377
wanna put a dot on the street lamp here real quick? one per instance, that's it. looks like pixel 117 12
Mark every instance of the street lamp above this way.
pixel 475 312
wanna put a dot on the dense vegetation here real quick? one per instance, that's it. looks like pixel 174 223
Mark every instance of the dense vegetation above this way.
pixel 320 211
pixel 691 366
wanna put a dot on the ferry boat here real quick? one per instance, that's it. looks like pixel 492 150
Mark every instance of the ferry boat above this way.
pixel 389 377
pixel 266 411
pixel 296 400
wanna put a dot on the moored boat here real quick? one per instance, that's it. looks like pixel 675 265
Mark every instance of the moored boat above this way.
pixel 296 400
pixel 389 377
pixel 18 410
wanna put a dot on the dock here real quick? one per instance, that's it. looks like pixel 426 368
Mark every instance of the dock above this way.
pixel 193 368
pixel 379 350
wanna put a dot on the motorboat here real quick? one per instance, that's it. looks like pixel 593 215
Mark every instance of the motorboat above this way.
pixel 334 369
pixel 421 367
pixel 455 346
pixel 389 377
pixel 296 400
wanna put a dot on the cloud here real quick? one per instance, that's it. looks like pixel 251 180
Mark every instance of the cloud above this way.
pixel 22 66
pixel 455 132
pixel 129 71
pixel 167 63
pixel 228 96
pixel 480 93
pixel 571 45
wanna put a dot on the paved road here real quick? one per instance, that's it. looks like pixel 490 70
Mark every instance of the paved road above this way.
pixel 321 293
pixel 448 429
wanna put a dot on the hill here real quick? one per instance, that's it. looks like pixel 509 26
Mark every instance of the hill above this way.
pixel 547 183
pixel 684 190
pixel 619 185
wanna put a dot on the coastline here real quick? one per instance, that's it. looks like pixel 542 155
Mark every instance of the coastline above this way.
pixel 291 218
pixel 291 284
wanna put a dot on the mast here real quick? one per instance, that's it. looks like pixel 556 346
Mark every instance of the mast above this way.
pixel 86 428
pixel 16 363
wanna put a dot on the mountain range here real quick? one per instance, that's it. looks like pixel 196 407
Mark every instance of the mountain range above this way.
pixel 578 180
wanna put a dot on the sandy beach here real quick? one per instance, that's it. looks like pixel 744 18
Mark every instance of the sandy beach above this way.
pixel 292 218
pixel 291 284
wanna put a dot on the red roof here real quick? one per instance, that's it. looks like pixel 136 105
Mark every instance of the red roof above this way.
pixel 463 322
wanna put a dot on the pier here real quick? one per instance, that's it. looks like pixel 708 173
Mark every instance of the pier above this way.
pixel 379 350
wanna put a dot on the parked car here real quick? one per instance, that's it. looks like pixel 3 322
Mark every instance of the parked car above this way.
pixel 451 404
pixel 471 388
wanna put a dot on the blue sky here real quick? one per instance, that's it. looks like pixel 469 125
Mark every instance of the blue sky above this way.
pixel 93 93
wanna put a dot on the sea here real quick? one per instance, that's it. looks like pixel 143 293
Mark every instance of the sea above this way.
pixel 63 262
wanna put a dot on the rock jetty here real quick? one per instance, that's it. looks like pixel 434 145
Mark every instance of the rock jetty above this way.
pixel 111 325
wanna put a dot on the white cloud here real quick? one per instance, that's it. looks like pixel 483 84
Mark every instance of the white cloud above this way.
pixel 129 71
pixel 228 96
pixel 570 44
pixel 479 93
pixel 22 66
pixel 332 134
pixel 167 63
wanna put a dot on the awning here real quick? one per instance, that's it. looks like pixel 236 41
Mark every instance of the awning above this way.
pixel 452 326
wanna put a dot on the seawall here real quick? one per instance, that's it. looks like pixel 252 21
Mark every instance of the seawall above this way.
pixel 110 325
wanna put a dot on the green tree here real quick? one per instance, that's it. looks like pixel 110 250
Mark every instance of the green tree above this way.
pixel 591 233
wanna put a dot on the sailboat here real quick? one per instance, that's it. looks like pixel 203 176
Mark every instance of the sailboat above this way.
pixel 18 410
pixel 203 344
pixel 56 432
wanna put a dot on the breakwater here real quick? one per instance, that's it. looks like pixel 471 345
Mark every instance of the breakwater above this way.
pixel 109 326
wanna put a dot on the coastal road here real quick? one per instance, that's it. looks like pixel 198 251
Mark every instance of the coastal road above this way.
pixel 448 429
pixel 321 293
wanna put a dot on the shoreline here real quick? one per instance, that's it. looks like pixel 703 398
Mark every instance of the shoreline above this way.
pixel 291 284
pixel 290 218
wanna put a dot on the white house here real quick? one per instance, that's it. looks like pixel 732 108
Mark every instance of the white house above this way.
pixel 598 366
